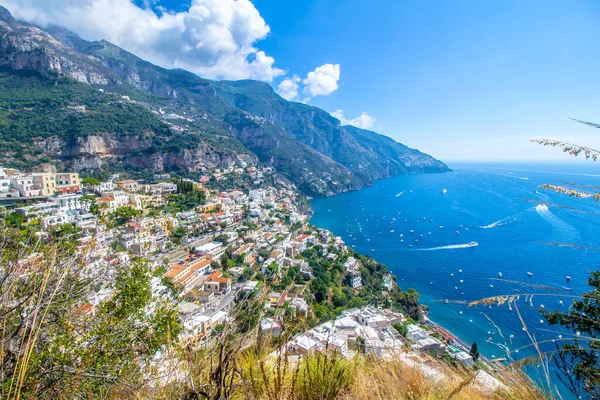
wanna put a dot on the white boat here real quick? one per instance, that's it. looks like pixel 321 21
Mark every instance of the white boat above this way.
pixel 441 226
pixel 412 231
pixel 568 278
pixel 473 244
pixel 444 191
pixel 529 274
pixel 500 274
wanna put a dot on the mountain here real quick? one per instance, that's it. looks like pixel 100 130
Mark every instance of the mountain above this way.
pixel 94 106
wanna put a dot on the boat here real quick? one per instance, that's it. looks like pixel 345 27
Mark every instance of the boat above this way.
pixel 444 191
pixel 500 274
pixel 446 301
pixel 529 274
pixel 420 236
pixel 412 231
pixel 441 226
pixel 473 244
pixel 372 251
pixel 568 278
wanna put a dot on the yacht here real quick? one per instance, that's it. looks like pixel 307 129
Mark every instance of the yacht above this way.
pixel 473 244
pixel 444 191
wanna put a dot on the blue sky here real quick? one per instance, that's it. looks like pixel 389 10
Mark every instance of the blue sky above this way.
pixel 461 80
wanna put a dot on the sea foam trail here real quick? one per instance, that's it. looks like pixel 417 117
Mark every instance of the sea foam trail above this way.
pixel 502 222
pixel 512 176
pixel 449 247
pixel 564 229
pixel 505 221
pixel 400 194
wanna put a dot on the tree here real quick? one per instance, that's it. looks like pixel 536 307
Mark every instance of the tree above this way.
pixel 90 182
pixel 474 351
pixel 579 358
pixel 125 213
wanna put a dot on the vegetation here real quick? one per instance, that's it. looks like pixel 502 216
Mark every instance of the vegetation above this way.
pixel 51 346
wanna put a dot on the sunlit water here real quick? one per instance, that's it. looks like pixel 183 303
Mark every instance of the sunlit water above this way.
pixel 517 227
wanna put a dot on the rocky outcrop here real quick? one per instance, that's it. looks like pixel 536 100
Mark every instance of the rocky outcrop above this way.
pixel 99 151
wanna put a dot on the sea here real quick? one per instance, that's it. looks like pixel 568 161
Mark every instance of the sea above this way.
pixel 481 231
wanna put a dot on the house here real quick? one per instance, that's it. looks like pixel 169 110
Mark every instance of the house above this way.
pixel 242 251
pixel 430 345
pixel 305 345
pixel 106 204
pixel 70 202
pixel 26 186
pixel 372 317
pixel 68 182
pixel 217 283
pixel 54 220
pixel 38 209
pixel 186 271
pixel 209 207
pixel 128 185
pixel 464 357
pixel 415 333
pixel 355 279
pixel 351 264
pixel 270 327
pixel 46 182
pixel 213 248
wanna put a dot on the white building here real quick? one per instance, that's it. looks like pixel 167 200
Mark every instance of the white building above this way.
pixel 464 357
pixel 25 186
pixel 70 203
pixel 214 248
pixel 355 279
pixel 4 181
pixel 415 333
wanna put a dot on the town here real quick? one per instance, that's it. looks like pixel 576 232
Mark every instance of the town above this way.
pixel 210 249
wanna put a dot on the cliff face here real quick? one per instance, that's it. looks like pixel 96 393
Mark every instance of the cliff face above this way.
pixel 97 152
pixel 173 119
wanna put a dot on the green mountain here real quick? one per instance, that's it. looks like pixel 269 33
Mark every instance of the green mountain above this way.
pixel 94 106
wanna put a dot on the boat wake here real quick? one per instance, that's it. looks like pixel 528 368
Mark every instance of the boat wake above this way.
pixel 449 247
pixel 566 231
pixel 505 221
pixel 502 222
pixel 512 176
pixel 400 194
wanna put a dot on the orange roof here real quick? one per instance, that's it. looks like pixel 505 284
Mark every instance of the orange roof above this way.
pixel 302 238
pixel 217 276
pixel 108 198
pixel 85 308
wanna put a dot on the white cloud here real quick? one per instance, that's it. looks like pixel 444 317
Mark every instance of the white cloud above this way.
pixel 363 121
pixel 322 81
pixel 289 88
pixel 213 38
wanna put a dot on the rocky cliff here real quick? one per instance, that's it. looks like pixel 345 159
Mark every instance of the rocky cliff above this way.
pixel 139 116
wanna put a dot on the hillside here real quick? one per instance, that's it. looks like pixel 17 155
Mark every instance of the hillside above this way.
pixel 172 119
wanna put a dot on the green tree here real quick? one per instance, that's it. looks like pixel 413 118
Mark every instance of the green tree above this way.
pixel 90 182
pixel 124 214
pixel 474 351
pixel 578 360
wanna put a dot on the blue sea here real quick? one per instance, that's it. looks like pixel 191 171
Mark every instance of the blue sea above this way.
pixel 420 226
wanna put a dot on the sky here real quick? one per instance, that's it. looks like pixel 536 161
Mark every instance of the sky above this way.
pixel 461 80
